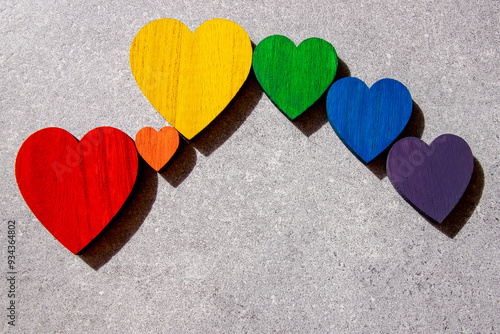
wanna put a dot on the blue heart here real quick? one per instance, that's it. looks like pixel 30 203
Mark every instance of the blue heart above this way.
pixel 368 120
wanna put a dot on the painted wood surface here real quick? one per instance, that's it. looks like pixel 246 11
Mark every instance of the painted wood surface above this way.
pixel 190 77
pixel 294 77
pixel 157 148
pixel 76 188
pixel 432 178
pixel 368 120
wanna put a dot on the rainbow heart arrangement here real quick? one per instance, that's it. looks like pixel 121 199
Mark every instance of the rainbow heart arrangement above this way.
pixel 75 188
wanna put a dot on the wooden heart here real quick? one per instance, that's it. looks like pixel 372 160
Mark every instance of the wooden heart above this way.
pixel 157 148
pixel 432 178
pixel 294 77
pixel 368 120
pixel 76 188
pixel 190 77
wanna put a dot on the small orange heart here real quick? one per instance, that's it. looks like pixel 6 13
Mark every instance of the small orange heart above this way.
pixel 157 148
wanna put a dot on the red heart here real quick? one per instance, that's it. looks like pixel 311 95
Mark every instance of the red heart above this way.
pixel 76 188
pixel 157 148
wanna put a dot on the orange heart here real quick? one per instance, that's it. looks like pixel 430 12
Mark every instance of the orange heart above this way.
pixel 157 148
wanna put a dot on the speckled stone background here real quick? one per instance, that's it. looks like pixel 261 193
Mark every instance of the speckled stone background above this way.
pixel 259 225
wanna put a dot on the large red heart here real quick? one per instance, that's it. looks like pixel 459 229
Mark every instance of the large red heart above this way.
pixel 76 188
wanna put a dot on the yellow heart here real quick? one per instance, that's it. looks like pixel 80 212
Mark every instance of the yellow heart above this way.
pixel 190 77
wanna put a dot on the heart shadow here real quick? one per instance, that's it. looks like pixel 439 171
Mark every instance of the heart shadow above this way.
pixel 180 165
pixel 126 222
pixel 414 128
pixel 315 116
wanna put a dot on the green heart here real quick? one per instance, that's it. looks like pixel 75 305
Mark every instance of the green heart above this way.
pixel 294 77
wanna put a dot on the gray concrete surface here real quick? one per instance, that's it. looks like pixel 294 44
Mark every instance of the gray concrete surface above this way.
pixel 260 225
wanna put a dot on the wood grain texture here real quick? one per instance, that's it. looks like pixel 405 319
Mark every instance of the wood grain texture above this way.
pixel 431 178
pixel 76 188
pixel 190 77
pixel 294 77
pixel 157 148
pixel 368 120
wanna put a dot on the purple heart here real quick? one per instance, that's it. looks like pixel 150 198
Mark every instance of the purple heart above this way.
pixel 432 178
